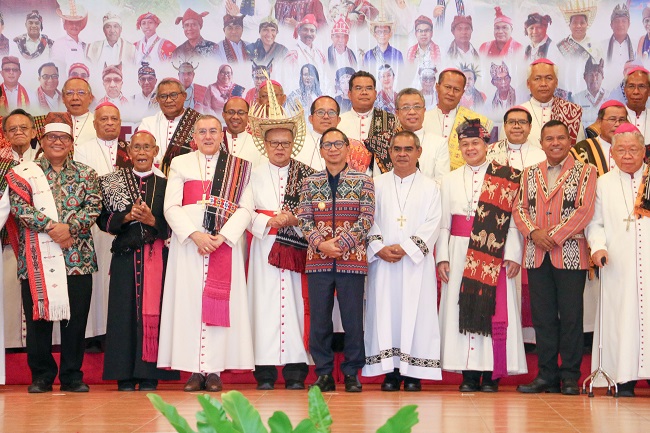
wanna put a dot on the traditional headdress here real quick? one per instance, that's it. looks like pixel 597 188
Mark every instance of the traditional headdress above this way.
pixel 58 122
pixel 341 26
pixel 422 19
pixel 579 7
pixel 112 69
pixel 34 15
pixel 590 66
pixel 111 18
pixel 72 12
pixel 236 20
pixel 536 18
pixel 470 67
pixel 191 15
pixel 461 19
pixel 268 22
pixel 343 71
pixel 381 20
pixel 620 11
pixel 147 16
pixel 472 128
pixel 495 69
pixel 145 69
pixel 79 65
pixel 11 59
pixel 307 19
pixel 263 118
pixel 185 66
pixel 499 17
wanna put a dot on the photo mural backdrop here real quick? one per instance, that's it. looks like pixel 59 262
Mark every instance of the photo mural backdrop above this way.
pixel 216 48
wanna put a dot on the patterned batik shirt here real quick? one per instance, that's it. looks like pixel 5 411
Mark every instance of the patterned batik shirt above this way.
pixel 78 201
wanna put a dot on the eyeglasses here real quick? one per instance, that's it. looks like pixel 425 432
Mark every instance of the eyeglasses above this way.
pixel 283 144
pixel 147 79
pixel 362 88
pixel 407 108
pixel 518 122
pixel 79 93
pixel 616 119
pixel 173 96
pixel 233 112
pixel 108 80
pixel 204 131
pixel 50 77
pixel 427 30
pixel 14 70
pixel 52 138
pixel 641 87
pixel 382 32
pixel 79 75
pixel 327 145
pixel 139 147
pixel 322 113
pixel 632 152
pixel 501 79
pixel 21 128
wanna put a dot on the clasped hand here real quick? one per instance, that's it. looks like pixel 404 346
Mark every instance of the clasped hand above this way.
pixel 283 219
pixel 391 253
pixel 207 243
pixel 60 233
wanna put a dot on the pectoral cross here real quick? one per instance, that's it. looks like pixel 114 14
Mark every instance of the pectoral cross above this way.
pixel 203 200
pixel 468 211
pixel 629 220
pixel 401 220
pixel 48 253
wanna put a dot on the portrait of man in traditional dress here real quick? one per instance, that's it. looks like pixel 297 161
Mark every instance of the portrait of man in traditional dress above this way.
pixel 504 96
pixel 461 48
pixel 339 55
pixel 151 48
pixel 33 44
pixel 265 49
pixel 540 46
pixel 114 49
pixel 503 45
pixel 70 48
pixel 195 45
pixel 594 95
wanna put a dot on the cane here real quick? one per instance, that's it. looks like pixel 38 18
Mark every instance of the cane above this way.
pixel 600 371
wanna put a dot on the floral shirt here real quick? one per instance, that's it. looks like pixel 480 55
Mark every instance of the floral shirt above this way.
pixel 78 201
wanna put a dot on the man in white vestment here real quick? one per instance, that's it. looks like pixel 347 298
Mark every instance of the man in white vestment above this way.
pixel 479 252
pixel 450 88
pixel 113 49
pixel 324 114
pixel 544 106
pixel 236 140
pixel 204 325
pixel 402 336
pixel 637 89
pixel 278 252
pixel 104 154
pixel 172 125
pixel 77 97
pixel 615 237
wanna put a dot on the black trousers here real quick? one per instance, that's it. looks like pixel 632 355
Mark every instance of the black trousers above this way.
pixel 269 373
pixel 556 305
pixel 39 334
pixel 349 290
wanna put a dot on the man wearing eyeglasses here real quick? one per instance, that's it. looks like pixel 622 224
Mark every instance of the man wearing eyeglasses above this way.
pixel 113 80
pixel 324 114
pixel 47 97
pixel 236 139
pixel 637 88
pixel 77 97
pixel 515 150
pixel 139 255
pixel 145 102
pixel 425 50
pixel 205 326
pixel 172 125
pixel 335 222
pixel 15 95
pixel 55 201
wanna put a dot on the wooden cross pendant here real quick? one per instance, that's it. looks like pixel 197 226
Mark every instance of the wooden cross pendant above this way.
pixel 401 220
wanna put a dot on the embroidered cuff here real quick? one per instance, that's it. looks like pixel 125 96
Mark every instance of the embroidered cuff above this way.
pixel 420 244
pixel 373 238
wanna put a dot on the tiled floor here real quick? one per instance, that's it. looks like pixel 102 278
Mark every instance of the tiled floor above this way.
pixel 441 409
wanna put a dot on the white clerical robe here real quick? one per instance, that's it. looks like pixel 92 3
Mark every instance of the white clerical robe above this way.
pixel 274 295
pixel 401 322
pixel 641 121
pixel 161 128
pixel 434 161
pixel 310 152
pixel 541 113
pixel 243 147
pixel 438 123
pixel 472 351
pixel 355 125
pixel 626 319
pixel 186 342
pixel 83 129
pixel 101 156
pixel 5 209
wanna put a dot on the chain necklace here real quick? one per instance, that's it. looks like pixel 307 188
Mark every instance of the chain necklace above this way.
pixel 402 219
pixel 80 129
pixel 204 200
pixel 629 217
pixel 109 160
pixel 276 193
pixel 468 208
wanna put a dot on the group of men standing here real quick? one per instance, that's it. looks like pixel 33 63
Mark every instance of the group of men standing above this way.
pixel 320 227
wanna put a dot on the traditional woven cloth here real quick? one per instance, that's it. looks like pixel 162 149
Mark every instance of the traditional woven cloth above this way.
pixel 589 151
pixel 382 128
pixel 491 222
pixel 642 203
pixel 289 251
pixel 182 141
pixel 568 113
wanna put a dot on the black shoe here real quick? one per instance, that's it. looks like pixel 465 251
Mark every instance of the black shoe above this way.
pixel 294 384
pixel 148 385
pixel 570 387
pixel 75 387
pixel 325 382
pixel 126 385
pixel 530 348
pixel 390 384
pixel 626 389
pixel 412 385
pixel 39 386
pixel 539 385
pixel 265 386
pixel 352 383
pixel 490 386
pixel 469 386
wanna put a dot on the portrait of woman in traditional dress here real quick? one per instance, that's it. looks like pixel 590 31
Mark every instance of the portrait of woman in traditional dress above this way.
pixel 309 86
pixel 221 90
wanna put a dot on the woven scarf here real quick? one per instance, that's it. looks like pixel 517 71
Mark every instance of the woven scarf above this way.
pixel 382 129
pixel 289 251
pixel 247 7
pixel 181 142
pixel 230 179
pixel 23 97
pixel 569 47
pixel 568 113
pixel 477 297
pixel 610 48
pixel 642 203
pixel 231 56
pixel 43 42
pixel 9 232
pixel 41 98
pixel 510 101
pixel 589 151
pixel 296 9
pixel 541 51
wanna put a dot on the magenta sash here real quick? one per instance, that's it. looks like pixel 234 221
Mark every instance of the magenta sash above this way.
pixel 500 328
pixel 193 191
pixel 151 295
pixel 460 226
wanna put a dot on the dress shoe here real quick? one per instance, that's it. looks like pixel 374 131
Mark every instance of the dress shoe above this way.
pixel 570 387
pixel 325 382
pixel 148 385
pixel 412 385
pixel 352 383
pixel 39 386
pixel 539 385
pixel 469 386
pixel 265 386
pixel 196 382
pixel 490 386
pixel 390 384
pixel 213 383
pixel 294 385
pixel 626 389
pixel 126 385
pixel 75 387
